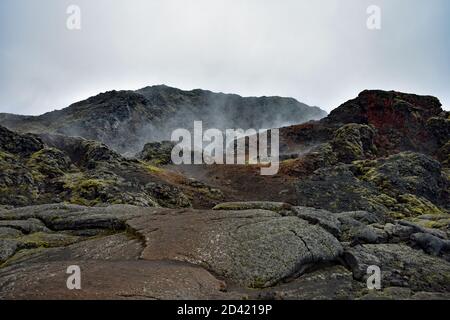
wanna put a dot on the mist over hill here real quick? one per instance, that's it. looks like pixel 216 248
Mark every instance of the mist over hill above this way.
pixel 126 120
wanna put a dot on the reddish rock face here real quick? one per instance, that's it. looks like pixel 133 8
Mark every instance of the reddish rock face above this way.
pixel 400 119
pixel 382 108
pixel 401 122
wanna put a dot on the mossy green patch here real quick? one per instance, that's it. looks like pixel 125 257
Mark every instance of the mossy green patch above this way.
pixel 48 163
pixel 433 221
pixel 47 240
pixel 415 206
pixel 154 169
pixel 384 199
pixel 22 255
pixel 5 156
pixel 86 191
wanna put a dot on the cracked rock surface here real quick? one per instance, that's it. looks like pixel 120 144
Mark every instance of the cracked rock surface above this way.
pixel 128 252
pixel 255 248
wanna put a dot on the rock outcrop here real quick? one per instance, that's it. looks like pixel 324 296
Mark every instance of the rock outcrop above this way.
pixel 402 185
pixel 375 124
pixel 157 153
pixel 402 267
pixel 401 119
pixel 78 171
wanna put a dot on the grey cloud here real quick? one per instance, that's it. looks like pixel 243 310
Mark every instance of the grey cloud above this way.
pixel 319 52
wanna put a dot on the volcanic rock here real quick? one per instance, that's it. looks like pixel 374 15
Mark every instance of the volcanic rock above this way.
pixel 401 266
pixel 77 171
pixel 254 248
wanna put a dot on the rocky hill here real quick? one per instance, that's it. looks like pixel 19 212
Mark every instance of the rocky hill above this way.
pixel 78 171
pixel 401 122
pixel 40 169
pixel 126 120
pixel 385 151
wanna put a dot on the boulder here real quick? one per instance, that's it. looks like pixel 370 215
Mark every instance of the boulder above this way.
pixel 329 283
pixel 30 225
pixel 401 266
pixel 157 153
pixel 430 244
pixel 323 218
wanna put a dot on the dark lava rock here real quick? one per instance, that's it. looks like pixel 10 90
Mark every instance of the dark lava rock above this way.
pixel 329 283
pixel 323 218
pixel 320 156
pixel 376 123
pixel 401 266
pixel 354 142
pixel 158 153
pixel 7 249
pixel 130 252
pixel 336 189
pixel 399 118
pixel 114 280
pixel 254 248
pixel 430 244
pixel 78 171
pixel 443 155
pixel 406 184
pixel 23 145
pixel 440 127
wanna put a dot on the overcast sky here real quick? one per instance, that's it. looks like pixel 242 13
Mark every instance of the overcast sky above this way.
pixel 320 52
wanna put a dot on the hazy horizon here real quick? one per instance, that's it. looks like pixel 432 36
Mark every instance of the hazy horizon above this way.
pixel 320 53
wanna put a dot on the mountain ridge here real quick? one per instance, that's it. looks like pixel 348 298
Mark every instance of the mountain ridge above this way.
pixel 125 120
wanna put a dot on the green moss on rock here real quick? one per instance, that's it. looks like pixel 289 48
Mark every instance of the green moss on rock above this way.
pixel 403 185
pixel 47 240
pixel 88 192
pixel 49 162
pixel 354 142
pixel 415 205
